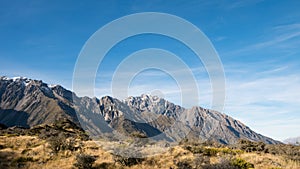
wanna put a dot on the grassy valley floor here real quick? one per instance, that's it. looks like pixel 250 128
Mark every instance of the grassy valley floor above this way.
pixel 25 151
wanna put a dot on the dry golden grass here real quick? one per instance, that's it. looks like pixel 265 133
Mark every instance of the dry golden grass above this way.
pixel 268 161
pixel 33 152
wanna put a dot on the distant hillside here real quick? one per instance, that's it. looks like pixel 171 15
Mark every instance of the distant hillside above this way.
pixel 27 103
pixel 295 141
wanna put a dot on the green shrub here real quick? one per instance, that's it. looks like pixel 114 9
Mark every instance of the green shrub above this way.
pixel 241 163
pixel 210 151
pixel 195 149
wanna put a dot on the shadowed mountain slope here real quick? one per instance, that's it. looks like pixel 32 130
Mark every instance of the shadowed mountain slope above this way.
pixel 27 103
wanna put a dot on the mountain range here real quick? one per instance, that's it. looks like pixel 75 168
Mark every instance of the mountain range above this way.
pixel 27 103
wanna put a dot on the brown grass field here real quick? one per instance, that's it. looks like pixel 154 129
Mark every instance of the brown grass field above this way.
pixel 33 152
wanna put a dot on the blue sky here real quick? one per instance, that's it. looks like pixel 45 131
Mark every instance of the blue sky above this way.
pixel 257 41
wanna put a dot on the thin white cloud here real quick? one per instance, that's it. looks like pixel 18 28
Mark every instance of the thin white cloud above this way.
pixel 288 27
pixel 220 38
pixel 265 101
pixel 260 98
pixel 239 4
pixel 279 35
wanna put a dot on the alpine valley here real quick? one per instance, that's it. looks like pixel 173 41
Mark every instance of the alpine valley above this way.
pixel 28 103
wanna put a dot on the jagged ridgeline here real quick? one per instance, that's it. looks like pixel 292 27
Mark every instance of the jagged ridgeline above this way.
pixel 27 103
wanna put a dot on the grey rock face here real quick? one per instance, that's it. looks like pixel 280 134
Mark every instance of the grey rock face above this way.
pixel 200 123
pixel 32 102
pixel 25 102
pixel 153 104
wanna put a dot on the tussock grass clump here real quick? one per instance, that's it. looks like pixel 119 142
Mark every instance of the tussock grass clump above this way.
pixel 84 161
pixel 73 152
pixel 241 163
pixel 184 165
pixel 229 163
pixel 21 161
pixel 2 146
pixel 249 146
pixel 291 152
pixel 212 151
pixel 62 143
pixel 127 161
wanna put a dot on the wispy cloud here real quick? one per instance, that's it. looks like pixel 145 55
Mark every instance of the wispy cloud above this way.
pixel 239 4
pixel 288 27
pixel 279 34
pixel 154 80
pixel 264 101
pixel 267 101
pixel 220 38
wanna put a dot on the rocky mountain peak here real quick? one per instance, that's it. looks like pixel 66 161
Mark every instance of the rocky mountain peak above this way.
pixel 144 98
pixel 24 81
pixel 107 99
pixel 60 91
pixel 26 102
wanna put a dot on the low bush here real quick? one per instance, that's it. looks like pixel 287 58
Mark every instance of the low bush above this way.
pixel 211 151
pixel 225 163
pixel 241 163
pixel 200 160
pixel 184 165
pixel 62 143
pixel 84 161
pixel 195 149
pixel 106 165
pixel 291 152
pixel 20 162
pixel 23 159
pixel 249 146
pixel 2 146
pixel 127 161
